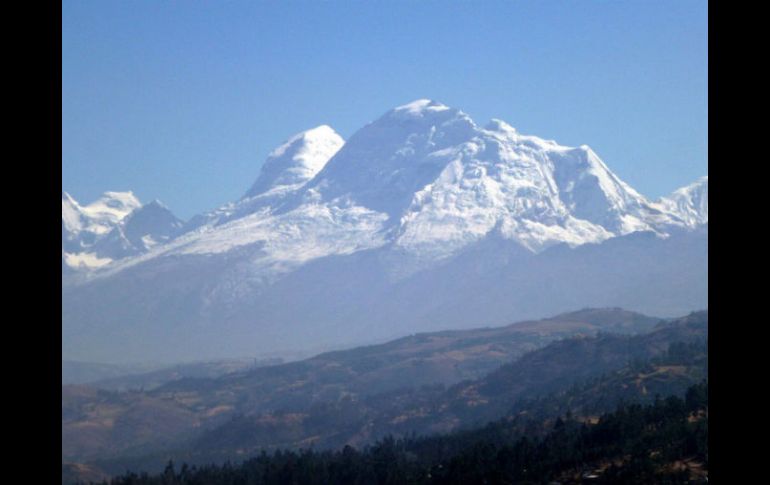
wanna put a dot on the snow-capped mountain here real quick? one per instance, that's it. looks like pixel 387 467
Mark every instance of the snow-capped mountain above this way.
pixel 296 162
pixel 117 225
pixel 98 217
pixel 141 230
pixel 690 203
pixel 287 169
pixel 83 226
pixel 425 178
pixel 412 195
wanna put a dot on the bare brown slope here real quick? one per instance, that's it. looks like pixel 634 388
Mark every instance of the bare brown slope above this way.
pixel 97 424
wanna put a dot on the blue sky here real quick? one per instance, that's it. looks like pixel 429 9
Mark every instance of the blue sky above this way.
pixel 182 101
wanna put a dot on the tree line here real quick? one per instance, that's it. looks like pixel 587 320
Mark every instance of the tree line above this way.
pixel 636 443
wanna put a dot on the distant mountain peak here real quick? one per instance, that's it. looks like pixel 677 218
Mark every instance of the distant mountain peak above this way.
pixel 114 226
pixel 154 206
pixel 421 106
pixel 297 160
pixel 99 216
pixel 112 206
pixel 499 125
pixel 421 116
pixel 700 184
pixel 690 203
pixel 155 203
pixel 126 197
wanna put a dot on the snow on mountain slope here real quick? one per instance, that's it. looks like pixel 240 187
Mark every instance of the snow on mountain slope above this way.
pixel 113 227
pixel 276 243
pixel 82 226
pixel 84 259
pixel 445 182
pixel 284 172
pixel 100 216
pixel 292 164
pixel 498 180
pixel 690 203
pixel 384 163
pixel 71 214
pixel 281 240
pixel 142 229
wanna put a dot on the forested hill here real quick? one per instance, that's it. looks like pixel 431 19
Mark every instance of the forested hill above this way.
pixel 662 442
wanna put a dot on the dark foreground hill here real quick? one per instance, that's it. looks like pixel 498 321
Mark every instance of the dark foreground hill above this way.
pixel 662 442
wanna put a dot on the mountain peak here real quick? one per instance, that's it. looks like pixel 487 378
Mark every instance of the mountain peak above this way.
pixel 499 125
pixel 420 106
pixel 297 160
pixel 106 211
pixel 690 203
pixel 70 213
pixel 113 206
pixel 119 199
pixel 695 189
pixel 154 205
pixel 424 112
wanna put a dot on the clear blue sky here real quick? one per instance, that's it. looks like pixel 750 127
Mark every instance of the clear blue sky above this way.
pixel 182 101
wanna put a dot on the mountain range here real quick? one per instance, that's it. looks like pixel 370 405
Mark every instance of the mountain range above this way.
pixel 422 220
